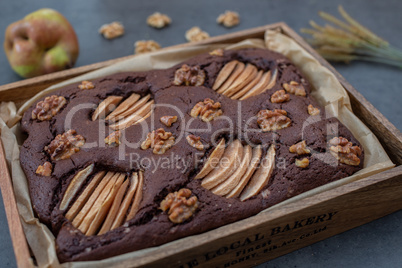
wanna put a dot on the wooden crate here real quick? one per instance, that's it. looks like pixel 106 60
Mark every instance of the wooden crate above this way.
pixel 266 236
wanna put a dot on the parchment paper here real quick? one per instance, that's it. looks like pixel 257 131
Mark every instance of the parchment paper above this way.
pixel 327 90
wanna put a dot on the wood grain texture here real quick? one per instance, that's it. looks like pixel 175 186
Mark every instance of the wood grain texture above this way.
pixel 353 204
pixel 18 239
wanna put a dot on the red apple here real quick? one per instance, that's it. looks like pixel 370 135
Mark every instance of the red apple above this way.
pixel 42 42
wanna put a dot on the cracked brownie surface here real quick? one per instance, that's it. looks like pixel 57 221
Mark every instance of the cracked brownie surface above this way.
pixel 151 226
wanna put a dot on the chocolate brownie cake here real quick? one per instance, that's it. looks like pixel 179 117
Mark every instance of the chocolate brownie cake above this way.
pixel 135 160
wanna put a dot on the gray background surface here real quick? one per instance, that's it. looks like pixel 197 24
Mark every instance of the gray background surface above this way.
pixel 377 244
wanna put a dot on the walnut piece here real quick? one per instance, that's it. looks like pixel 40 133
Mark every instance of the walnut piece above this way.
pixel 195 142
pixel 195 34
pixel 65 145
pixel 228 19
pixel 112 30
pixel 45 169
pixel 280 96
pixel 207 110
pixel 344 151
pixel 302 163
pixel 48 108
pixel 113 139
pixel 145 46
pixel 181 206
pixel 299 148
pixel 273 120
pixel 217 52
pixel 295 88
pixel 189 76
pixel 312 110
pixel 159 140
pixel 158 20
pixel 168 120
pixel 86 85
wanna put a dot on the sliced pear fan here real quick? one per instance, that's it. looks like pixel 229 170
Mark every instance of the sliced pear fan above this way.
pixel 231 182
pixel 130 112
pixel 255 160
pixel 239 81
pixel 75 185
pixel 106 107
pixel 235 74
pixel 105 201
pixel 261 176
pixel 213 160
pixel 229 162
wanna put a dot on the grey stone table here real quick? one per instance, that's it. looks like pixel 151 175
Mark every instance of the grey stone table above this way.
pixel 377 244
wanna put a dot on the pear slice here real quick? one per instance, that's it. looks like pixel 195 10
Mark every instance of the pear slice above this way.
pixel 133 108
pixel 237 71
pixel 126 202
pixel 91 210
pixel 81 215
pixel 124 106
pixel 213 160
pixel 272 82
pixel 114 209
pixel 75 185
pixel 104 208
pixel 249 73
pixel 229 162
pixel 261 176
pixel 248 87
pixel 228 185
pixel 255 160
pixel 138 197
pixel 257 89
pixel 224 74
pixel 83 198
pixel 134 118
pixel 105 107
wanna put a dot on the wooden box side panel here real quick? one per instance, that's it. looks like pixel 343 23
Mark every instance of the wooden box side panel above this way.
pixel 20 245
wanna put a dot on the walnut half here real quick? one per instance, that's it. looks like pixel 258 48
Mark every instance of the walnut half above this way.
pixel 168 120
pixel 86 85
pixel 195 142
pixel 145 46
pixel 302 163
pixel 189 76
pixel 158 20
pixel 273 120
pixel 159 140
pixel 344 151
pixel 112 30
pixel 195 34
pixel 280 96
pixel 45 169
pixel 207 110
pixel 295 88
pixel 181 206
pixel 48 108
pixel 65 145
pixel 228 19
pixel 299 148
pixel 312 110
